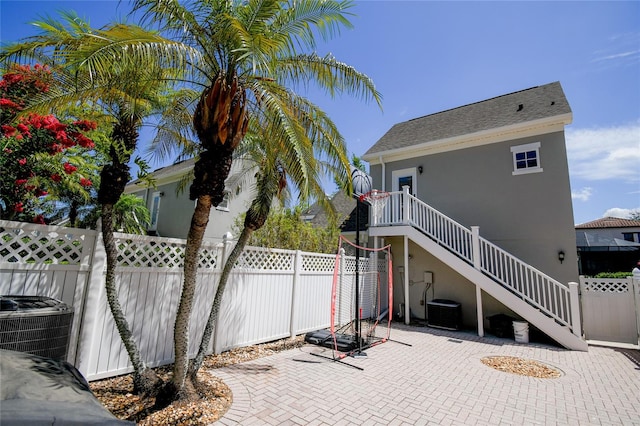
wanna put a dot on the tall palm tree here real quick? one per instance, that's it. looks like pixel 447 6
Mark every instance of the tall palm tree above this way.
pixel 282 162
pixel 252 53
pixel 96 65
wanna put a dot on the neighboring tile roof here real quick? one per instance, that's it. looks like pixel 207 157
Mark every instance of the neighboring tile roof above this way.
pixel 610 222
pixel 349 225
pixel 519 107
pixel 345 207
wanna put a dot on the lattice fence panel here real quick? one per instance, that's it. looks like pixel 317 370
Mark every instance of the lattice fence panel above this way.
pixel 209 258
pixel 600 286
pixel 34 246
pixel 350 264
pixel 318 263
pixel 149 254
pixel 266 260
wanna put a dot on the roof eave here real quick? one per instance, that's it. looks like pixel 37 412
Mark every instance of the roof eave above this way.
pixel 485 137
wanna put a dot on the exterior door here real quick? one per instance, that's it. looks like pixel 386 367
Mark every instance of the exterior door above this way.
pixel 404 177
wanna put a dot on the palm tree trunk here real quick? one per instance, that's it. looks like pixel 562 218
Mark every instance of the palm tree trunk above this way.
pixel 144 380
pixel 217 300
pixel 255 219
pixel 176 388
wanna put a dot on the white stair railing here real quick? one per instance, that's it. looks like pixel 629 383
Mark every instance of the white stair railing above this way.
pixel 531 285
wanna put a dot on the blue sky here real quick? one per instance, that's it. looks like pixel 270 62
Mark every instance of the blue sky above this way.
pixel 427 56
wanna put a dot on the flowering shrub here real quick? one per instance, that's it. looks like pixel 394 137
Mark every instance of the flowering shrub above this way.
pixel 37 151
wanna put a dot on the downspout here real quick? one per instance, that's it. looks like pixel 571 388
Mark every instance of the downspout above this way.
pixel 384 178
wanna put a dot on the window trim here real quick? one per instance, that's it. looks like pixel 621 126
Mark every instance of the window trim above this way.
pixel 535 146
pixel 155 210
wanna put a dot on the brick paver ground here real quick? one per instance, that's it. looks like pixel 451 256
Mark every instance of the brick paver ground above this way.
pixel 439 379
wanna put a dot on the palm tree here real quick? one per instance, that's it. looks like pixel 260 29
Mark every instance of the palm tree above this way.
pixel 282 162
pixel 251 56
pixel 92 65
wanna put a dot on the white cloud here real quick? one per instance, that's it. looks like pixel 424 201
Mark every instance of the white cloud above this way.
pixel 606 153
pixel 618 56
pixel 583 195
pixel 621 213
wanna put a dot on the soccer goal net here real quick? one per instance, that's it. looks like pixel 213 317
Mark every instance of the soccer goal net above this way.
pixel 362 297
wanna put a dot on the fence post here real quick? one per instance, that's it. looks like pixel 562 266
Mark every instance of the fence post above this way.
pixel 92 312
pixel 339 296
pixel 574 298
pixel 405 204
pixel 635 287
pixel 297 269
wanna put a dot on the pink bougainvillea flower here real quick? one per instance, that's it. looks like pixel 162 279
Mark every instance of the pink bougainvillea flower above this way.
pixel 84 141
pixel 9 130
pixel 22 161
pixel 86 125
pixel 56 148
pixel 69 169
pixel 19 207
pixel 85 182
pixel 8 103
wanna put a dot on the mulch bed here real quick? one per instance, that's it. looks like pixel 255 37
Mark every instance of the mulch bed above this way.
pixel 521 366
pixel 215 396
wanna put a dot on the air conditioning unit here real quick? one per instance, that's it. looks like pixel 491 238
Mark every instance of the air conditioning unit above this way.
pixel 35 324
pixel 443 313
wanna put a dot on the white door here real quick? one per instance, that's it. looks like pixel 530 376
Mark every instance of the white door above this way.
pixel 404 177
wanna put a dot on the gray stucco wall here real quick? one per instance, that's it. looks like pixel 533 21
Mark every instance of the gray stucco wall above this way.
pixel 176 211
pixel 529 215
pixel 447 284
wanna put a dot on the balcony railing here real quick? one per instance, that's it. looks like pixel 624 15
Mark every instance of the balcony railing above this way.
pixel 551 297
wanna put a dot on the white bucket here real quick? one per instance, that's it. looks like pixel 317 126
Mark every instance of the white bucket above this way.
pixel 521 331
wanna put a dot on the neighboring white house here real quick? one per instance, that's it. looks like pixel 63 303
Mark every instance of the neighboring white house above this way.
pixel 500 165
pixel 171 209
pixel 609 244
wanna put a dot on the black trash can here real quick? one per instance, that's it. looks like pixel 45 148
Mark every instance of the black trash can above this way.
pixel 501 325
pixel 35 324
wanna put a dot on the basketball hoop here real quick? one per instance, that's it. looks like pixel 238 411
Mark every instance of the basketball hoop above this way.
pixel 378 201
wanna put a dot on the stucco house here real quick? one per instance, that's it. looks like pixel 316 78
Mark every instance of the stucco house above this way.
pixel 479 212
pixel 171 209
pixel 609 244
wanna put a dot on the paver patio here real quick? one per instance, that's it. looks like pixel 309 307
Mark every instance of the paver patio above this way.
pixel 439 379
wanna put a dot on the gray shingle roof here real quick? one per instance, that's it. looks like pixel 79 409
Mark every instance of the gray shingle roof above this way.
pixel 515 108
pixel 342 203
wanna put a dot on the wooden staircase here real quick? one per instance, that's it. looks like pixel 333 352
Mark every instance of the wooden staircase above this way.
pixel 544 302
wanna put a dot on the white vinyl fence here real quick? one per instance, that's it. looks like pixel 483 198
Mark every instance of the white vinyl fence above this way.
pixel 271 294
pixel 611 310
